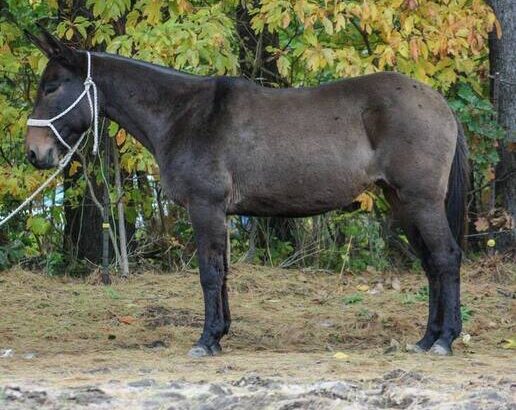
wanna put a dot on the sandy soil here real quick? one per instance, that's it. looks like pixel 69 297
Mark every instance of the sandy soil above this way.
pixel 75 344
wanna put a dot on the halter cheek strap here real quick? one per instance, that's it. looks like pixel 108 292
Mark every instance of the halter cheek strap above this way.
pixel 93 103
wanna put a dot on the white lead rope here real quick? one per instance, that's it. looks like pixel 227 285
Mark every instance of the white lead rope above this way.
pixel 62 164
pixel 31 122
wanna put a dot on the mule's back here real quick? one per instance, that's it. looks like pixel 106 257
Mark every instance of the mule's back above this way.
pixel 299 152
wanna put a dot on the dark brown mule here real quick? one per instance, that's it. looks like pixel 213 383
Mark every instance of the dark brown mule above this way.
pixel 226 146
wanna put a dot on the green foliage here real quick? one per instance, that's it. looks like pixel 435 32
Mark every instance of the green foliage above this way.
pixel 363 245
pixel 443 44
pixel 478 117
pixel 111 293
pixel 353 299
pixel 11 254
pixel 38 225
pixel 466 313
pixel 420 296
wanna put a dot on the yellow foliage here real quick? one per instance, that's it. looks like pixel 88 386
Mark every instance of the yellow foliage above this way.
pixel 74 167
pixel 366 201
pixel 411 36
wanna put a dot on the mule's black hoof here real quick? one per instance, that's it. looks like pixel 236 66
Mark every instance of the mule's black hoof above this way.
pixel 203 351
pixel 199 351
pixel 440 349
pixel 215 349
pixel 414 348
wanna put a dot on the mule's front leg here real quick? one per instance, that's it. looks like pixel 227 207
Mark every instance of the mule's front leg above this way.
pixel 209 224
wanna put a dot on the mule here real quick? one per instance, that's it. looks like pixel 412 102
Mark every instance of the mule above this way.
pixel 226 146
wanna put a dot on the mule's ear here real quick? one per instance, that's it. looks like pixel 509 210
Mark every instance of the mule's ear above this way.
pixel 50 45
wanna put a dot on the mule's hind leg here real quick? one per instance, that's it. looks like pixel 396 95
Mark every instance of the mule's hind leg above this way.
pixel 441 258
pixel 434 322
pixel 435 316
pixel 427 229
pixel 224 292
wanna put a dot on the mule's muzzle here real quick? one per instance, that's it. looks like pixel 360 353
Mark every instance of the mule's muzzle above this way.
pixel 42 160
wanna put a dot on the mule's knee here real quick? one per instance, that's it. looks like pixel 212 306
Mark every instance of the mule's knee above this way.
pixel 445 262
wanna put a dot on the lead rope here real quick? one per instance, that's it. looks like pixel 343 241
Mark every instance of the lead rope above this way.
pixel 88 83
pixel 62 164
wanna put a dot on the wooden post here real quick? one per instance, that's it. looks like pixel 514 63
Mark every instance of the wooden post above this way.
pixel 124 262
pixel 106 279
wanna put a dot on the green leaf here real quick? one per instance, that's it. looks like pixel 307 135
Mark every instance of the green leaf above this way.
pixel 38 225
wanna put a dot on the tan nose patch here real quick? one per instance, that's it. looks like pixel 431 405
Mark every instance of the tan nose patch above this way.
pixel 39 138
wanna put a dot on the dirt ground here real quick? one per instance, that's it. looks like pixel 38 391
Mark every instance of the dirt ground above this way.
pixel 299 339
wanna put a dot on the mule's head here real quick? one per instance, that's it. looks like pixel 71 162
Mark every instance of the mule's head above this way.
pixel 61 83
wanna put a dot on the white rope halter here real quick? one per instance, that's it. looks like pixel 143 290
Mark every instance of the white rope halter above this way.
pixel 88 83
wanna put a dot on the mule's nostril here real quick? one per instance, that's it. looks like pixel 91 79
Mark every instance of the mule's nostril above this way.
pixel 50 155
pixel 31 155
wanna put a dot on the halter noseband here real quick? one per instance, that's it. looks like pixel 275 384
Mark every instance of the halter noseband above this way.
pixel 88 83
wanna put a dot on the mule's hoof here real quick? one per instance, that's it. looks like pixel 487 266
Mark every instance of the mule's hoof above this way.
pixel 414 348
pixel 440 350
pixel 199 351
pixel 215 349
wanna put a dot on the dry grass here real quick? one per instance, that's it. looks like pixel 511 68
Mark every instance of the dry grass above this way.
pixel 287 323
pixel 274 310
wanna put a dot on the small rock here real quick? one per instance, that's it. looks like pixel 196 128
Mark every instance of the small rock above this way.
pixel 393 347
pixel 377 289
pixel 29 356
pixel 6 353
pixel 87 396
pixel 157 344
pixel 219 390
pixel 327 323
pixel 142 383
pixel 395 284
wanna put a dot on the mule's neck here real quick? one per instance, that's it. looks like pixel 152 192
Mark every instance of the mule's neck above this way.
pixel 145 99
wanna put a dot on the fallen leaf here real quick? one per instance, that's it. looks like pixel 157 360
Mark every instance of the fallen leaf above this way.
pixel 366 201
pixel 363 288
pixel 509 343
pixel 341 356
pixel 127 320
pixel 120 137
pixel 481 224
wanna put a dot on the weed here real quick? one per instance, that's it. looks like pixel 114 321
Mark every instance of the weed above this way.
pixel 112 293
pixel 352 299
pixel 465 313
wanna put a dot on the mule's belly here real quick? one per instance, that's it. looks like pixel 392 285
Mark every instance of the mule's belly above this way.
pixel 297 191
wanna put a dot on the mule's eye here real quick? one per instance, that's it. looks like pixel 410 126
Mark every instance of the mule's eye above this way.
pixel 50 88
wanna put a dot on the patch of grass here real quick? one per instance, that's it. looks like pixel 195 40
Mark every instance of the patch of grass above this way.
pixel 111 293
pixel 408 299
pixel 272 310
pixel 422 294
pixel 465 313
pixel 352 299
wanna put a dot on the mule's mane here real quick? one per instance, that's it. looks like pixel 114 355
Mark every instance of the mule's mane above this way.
pixel 147 66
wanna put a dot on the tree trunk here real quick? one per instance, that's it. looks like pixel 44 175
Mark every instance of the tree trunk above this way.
pixel 502 58
pixel 82 239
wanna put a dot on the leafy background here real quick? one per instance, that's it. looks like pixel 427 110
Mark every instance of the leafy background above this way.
pixel 277 43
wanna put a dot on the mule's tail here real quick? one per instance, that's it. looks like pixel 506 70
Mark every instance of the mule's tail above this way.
pixel 458 185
